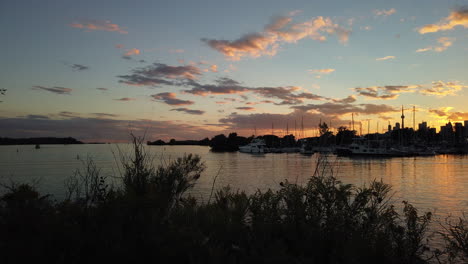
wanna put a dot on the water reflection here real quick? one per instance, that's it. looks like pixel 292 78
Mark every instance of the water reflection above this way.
pixel 437 183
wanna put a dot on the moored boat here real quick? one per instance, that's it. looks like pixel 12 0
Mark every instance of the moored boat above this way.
pixel 256 146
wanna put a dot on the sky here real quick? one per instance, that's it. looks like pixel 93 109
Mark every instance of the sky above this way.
pixel 100 70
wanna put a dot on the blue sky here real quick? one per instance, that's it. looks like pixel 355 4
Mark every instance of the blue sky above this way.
pixel 378 54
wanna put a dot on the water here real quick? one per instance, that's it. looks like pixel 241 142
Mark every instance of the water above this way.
pixel 438 184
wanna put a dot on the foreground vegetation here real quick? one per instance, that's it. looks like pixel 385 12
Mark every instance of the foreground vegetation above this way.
pixel 151 218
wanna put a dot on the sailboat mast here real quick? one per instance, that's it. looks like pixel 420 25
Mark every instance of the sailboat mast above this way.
pixel 295 128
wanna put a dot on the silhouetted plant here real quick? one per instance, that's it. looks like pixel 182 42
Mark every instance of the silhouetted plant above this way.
pixel 456 238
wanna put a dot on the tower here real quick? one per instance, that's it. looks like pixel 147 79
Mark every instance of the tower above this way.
pixel 402 119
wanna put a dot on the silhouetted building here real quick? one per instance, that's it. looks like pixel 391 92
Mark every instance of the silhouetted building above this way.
pixel 459 132
pixel 422 126
pixel 466 128
pixel 397 126
pixel 447 132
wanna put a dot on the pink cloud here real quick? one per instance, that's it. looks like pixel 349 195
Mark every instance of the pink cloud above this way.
pixel 98 25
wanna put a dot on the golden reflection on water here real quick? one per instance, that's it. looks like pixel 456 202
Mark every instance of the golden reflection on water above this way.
pixel 437 183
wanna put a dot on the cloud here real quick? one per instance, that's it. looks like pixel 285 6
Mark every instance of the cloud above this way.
pixel 102 89
pixel 229 86
pixel 158 73
pixel 56 89
pixel 458 17
pixel 260 102
pixel 140 80
pixel 246 108
pixel 119 46
pixel 385 92
pixel 222 86
pixel 104 115
pixel 171 99
pixel 189 111
pixel 338 109
pixel 444 42
pixel 441 89
pixel 349 99
pixel 445 113
pixel 441 112
pixel 286 94
pixel 424 49
pixel 386 58
pixel 132 52
pixel 97 25
pixel 280 30
pixel 93 129
pixel 318 73
pixel 322 71
pixel 125 99
pixel 79 67
pixel 214 68
pixel 384 12
pixel 454 116
pixel 37 117
pixel 69 114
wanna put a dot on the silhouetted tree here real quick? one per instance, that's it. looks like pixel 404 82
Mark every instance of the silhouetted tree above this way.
pixel 345 136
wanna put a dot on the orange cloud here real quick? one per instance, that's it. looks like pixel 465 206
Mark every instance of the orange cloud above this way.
pixel 95 25
pixel 441 89
pixel 318 73
pixel 214 68
pixel 131 52
pixel 385 58
pixel 280 30
pixel 445 43
pixel 456 18
pixel 322 71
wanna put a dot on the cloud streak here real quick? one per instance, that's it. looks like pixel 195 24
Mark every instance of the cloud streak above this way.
pixel 171 99
pixel 125 99
pixel 79 67
pixel 189 111
pixel 386 58
pixel 458 17
pixel 56 89
pixel 98 25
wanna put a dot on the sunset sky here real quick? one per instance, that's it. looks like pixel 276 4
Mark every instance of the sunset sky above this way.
pixel 98 70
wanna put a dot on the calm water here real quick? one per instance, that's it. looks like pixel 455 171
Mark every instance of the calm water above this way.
pixel 439 183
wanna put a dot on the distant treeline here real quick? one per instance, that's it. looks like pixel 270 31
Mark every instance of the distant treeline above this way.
pixel 217 143
pixel 39 140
